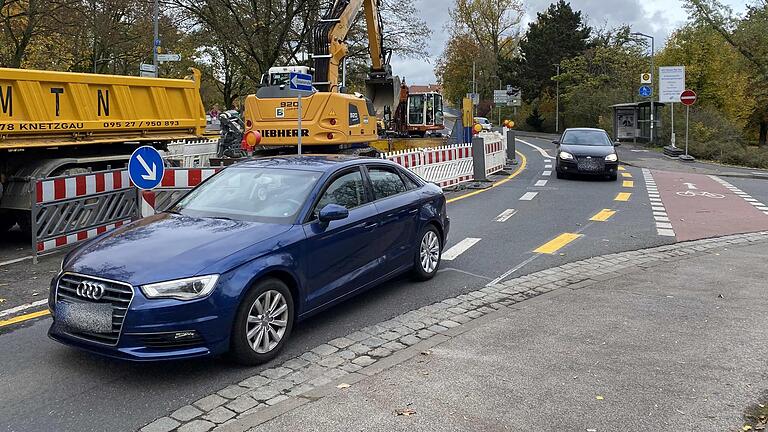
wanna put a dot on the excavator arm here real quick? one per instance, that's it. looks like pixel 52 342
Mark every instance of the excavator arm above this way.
pixel 330 49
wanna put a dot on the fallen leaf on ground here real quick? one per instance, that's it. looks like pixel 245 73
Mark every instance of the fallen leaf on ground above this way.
pixel 720 296
pixel 343 386
pixel 427 352
pixel 405 411
pixel 747 428
pixel 2 300
pixel 598 397
pixel 35 294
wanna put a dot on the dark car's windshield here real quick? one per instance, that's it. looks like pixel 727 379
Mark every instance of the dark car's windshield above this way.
pixel 250 194
pixel 586 137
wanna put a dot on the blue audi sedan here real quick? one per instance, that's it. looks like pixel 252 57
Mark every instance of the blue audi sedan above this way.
pixel 233 265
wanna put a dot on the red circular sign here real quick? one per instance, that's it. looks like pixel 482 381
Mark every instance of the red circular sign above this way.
pixel 688 97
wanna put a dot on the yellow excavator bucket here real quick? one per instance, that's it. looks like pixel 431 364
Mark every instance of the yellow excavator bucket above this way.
pixel 383 92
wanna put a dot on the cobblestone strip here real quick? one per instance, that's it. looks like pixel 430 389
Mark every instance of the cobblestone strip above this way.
pixel 361 350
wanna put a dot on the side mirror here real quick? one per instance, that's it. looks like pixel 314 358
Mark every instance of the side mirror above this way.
pixel 616 144
pixel 332 212
pixel 556 142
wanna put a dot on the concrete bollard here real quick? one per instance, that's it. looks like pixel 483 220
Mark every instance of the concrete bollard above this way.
pixel 478 159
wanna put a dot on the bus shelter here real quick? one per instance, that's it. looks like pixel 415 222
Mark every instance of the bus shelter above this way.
pixel 632 121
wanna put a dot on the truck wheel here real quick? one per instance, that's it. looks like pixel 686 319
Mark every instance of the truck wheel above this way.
pixel 7 221
pixel 263 323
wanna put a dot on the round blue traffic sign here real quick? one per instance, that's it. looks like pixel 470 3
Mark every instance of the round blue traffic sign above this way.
pixel 646 91
pixel 145 168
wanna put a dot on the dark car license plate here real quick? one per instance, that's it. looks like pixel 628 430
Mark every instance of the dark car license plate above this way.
pixel 87 317
pixel 589 165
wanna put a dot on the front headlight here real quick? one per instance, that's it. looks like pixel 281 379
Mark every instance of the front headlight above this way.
pixel 611 158
pixel 566 156
pixel 182 289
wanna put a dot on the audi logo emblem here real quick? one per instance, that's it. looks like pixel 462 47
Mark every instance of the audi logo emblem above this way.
pixel 90 290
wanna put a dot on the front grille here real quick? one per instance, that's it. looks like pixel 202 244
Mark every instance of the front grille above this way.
pixel 117 294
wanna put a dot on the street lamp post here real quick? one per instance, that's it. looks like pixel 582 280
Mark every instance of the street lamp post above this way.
pixel 652 76
pixel 557 100
pixel 157 35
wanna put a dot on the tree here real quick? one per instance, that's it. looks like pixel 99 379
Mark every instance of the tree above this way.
pixel 749 36
pixel 482 31
pixel 558 33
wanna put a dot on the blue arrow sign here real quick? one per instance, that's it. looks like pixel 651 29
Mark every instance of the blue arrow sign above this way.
pixel 145 168
pixel 157 42
pixel 645 91
pixel 300 81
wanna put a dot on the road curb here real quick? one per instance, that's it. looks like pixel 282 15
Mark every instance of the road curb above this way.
pixel 379 347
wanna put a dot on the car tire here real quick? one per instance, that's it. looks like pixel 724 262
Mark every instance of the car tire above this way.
pixel 613 177
pixel 247 345
pixel 560 175
pixel 427 258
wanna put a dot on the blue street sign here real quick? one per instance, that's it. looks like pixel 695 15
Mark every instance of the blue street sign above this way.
pixel 300 81
pixel 145 168
pixel 157 42
pixel 646 91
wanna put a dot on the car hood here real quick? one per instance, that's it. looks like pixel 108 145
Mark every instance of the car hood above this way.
pixel 166 246
pixel 586 150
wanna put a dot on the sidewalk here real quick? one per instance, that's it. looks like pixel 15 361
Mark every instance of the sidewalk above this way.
pixel 669 338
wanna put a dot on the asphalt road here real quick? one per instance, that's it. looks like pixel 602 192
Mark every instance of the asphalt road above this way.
pixel 47 386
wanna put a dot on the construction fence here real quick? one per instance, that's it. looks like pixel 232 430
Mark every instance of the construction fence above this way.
pixel 70 209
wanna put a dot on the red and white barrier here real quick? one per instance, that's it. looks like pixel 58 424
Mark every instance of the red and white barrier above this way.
pixel 451 165
pixel 80 185
pixel 48 245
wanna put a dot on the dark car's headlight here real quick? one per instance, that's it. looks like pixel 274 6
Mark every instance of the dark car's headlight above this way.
pixel 565 156
pixel 611 158
pixel 182 289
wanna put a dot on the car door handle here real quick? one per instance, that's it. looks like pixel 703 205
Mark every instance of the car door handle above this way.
pixel 414 211
pixel 368 225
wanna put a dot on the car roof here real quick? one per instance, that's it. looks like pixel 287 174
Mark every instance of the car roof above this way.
pixel 584 129
pixel 318 162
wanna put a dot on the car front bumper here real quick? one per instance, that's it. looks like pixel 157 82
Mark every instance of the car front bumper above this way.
pixel 157 329
pixel 572 167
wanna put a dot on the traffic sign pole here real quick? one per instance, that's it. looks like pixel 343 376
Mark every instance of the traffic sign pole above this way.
pixel 688 98
pixel 299 134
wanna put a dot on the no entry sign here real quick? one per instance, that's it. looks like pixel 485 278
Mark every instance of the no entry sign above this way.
pixel 688 97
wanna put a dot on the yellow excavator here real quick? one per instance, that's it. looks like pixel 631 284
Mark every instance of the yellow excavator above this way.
pixel 331 119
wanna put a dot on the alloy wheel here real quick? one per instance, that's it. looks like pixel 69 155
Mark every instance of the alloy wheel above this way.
pixel 429 251
pixel 267 321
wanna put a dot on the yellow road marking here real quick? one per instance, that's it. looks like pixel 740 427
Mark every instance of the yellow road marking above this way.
pixel 622 196
pixel 520 168
pixel 628 183
pixel 557 243
pixel 22 318
pixel 621 168
pixel 626 175
pixel 603 216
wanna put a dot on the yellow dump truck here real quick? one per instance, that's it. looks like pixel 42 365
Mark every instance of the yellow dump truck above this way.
pixel 58 123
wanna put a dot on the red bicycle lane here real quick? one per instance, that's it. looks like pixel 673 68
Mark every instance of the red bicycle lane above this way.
pixel 699 207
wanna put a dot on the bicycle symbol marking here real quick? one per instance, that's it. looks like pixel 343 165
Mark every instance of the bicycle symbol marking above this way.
pixel 690 193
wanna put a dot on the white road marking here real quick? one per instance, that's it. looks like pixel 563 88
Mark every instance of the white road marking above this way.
pixel 745 199
pixel 690 185
pixel 654 208
pixel 663 225
pixel 661 218
pixel 743 195
pixel 14 261
pixel 545 173
pixel 459 248
pixel 505 215
pixel 665 232
pixel 548 166
pixel 541 183
pixel 17 309
pixel 540 150
pixel 528 196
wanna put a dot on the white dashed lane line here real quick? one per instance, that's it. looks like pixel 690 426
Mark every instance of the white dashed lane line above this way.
pixel 541 183
pixel 528 196
pixel 660 216
pixel 745 196
pixel 459 248
pixel 505 215
pixel 547 173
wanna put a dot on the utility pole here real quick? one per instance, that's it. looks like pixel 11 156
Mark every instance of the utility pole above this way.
pixel 653 75
pixel 557 100
pixel 155 45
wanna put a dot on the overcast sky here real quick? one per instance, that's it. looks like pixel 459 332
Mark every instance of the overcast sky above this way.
pixel 655 17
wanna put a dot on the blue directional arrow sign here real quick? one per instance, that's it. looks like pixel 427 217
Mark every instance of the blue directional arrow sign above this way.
pixel 646 91
pixel 145 168
pixel 300 81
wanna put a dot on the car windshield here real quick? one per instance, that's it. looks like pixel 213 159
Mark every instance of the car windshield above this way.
pixel 586 138
pixel 250 194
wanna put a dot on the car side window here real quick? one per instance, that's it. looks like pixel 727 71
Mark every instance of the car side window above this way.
pixel 347 191
pixel 410 183
pixel 385 182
